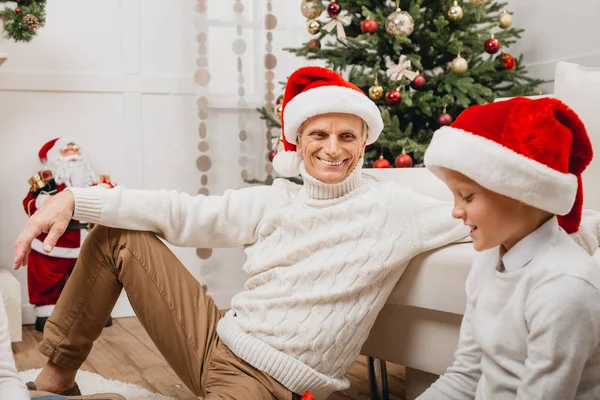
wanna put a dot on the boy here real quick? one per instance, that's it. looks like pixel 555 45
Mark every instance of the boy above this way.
pixel 531 329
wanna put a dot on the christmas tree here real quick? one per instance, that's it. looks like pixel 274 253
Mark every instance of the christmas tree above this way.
pixel 23 19
pixel 422 61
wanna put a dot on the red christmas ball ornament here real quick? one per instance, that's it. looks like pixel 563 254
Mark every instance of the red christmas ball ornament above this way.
pixel 418 83
pixel 334 9
pixel 18 9
pixel 307 396
pixel 445 119
pixel 505 61
pixel 492 46
pixel 381 163
pixel 393 97
pixel 272 155
pixel 403 160
pixel 314 45
pixel 369 26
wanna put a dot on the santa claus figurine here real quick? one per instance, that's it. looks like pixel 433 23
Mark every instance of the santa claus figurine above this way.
pixel 63 166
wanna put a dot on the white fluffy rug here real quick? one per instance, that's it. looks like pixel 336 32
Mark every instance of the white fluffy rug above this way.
pixel 93 383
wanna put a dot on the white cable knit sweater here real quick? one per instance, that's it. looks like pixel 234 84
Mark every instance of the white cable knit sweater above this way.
pixel 321 259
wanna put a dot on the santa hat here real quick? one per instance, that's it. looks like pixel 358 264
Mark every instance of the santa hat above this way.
pixel 533 151
pixel 312 91
pixel 51 150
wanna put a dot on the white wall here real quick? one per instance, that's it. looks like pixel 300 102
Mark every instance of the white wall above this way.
pixel 556 30
pixel 120 78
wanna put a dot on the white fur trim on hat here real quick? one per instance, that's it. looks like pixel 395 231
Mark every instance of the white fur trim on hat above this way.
pixel 54 152
pixel 331 99
pixel 501 170
pixel 287 163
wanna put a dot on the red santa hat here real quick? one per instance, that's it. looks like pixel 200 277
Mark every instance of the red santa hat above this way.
pixel 533 151
pixel 51 150
pixel 313 91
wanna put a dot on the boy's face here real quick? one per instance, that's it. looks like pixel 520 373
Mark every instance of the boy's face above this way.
pixel 494 219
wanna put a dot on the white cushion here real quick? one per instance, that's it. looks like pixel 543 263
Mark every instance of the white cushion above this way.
pixel 421 180
pixel 436 280
pixel 579 87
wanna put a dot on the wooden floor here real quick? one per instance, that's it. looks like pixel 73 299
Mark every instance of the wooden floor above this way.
pixel 125 352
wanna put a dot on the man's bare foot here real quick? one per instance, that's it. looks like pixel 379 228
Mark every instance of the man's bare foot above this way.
pixel 55 379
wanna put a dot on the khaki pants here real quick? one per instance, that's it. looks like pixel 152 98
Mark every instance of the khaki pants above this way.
pixel 169 302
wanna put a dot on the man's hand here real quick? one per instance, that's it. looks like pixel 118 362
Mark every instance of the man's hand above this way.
pixel 52 219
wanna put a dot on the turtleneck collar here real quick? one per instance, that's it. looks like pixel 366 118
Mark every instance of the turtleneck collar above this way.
pixel 317 190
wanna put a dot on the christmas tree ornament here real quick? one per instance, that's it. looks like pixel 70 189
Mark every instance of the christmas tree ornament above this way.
pixel 455 13
pixel 334 9
pixel 418 83
pixel 393 97
pixel 505 61
pixel 396 71
pixel 338 22
pixel 311 9
pixel 459 65
pixel 313 26
pixel 381 163
pixel 314 45
pixel 307 396
pixel 505 20
pixel 18 9
pixel 399 23
pixel 478 1
pixel 32 22
pixel 369 26
pixel 376 91
pixel 272 155
pixel 444 118
pixel 279 100
pixel 492 45
pixel 279 110
pixel 403 160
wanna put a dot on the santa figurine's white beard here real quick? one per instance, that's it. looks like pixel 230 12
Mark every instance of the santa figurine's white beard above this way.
pixel 73 171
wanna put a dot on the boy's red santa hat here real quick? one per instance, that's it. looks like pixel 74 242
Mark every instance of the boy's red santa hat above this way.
pixel 51 149
pixel 533 151
pixel 312 91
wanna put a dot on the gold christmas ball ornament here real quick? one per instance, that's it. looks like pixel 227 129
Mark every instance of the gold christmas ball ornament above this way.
pixel 399 23
pixel 376 92
pixel 279 110
pixel 455 13
pixel 311 9
pixel 505 20
pixel 459 65
pixel 313 26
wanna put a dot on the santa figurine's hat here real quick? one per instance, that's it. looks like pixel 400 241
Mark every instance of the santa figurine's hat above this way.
pixel 312 91
pixel 533 151
pixel 51 149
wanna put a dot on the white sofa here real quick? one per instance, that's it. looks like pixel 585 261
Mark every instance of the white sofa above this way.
pixel 419 325
pixel 10 290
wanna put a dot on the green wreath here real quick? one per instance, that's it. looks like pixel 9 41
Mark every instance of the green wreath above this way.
pixel 22 23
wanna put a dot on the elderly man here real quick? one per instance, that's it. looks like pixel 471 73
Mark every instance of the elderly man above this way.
pixel 322 259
